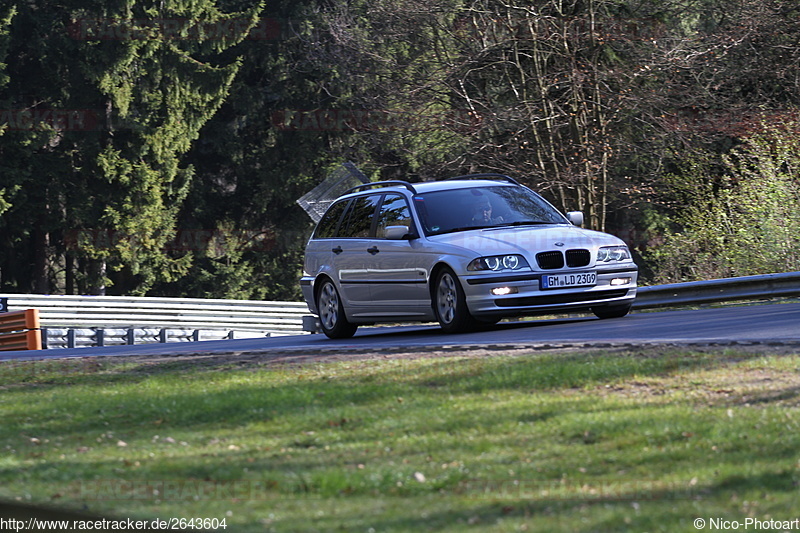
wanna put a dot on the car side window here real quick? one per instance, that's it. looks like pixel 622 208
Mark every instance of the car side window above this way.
pixel 359 217
pixel 326 229
pixel 394 212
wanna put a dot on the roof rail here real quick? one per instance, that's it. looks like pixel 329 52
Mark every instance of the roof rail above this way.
pixel 489 176
pixel 388 183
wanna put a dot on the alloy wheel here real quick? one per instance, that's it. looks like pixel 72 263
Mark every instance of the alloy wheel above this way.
pixel 328 306
pixel 446 298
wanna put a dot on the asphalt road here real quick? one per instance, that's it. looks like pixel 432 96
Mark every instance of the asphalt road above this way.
pixel 773 323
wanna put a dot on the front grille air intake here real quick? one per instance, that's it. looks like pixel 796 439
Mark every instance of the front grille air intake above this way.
pixel 550 260
pixel 578 258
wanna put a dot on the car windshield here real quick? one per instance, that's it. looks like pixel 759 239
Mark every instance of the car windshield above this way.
pixel 483 207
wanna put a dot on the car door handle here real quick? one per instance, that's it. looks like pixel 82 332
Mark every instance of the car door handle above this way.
pixel 374 250
pixel 337 250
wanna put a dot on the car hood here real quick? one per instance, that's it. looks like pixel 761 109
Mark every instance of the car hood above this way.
pixel 522 239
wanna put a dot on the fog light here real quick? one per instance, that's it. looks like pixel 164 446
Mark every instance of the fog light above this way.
pixel 503 291
pixel 620 281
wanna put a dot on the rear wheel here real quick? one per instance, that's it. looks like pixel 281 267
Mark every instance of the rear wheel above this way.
pixel 331 313
pixel 450 303
pixel 612 311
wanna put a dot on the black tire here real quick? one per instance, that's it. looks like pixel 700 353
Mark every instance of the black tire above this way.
pixel 331 312
pixel 450 304
pixel 612 311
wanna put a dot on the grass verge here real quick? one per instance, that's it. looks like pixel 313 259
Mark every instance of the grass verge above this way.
pixel 645 440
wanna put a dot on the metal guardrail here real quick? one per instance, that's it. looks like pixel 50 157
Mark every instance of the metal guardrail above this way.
pixel 86 337
pixel 106 320
pixel 74 321
pixel 719 290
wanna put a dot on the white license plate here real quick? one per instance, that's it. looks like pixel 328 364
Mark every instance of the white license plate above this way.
pixel 562 281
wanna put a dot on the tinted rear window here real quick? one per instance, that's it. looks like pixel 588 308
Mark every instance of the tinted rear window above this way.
pixel 358 219
pixel 326 229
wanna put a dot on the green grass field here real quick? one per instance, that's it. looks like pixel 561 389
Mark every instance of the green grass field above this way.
pixel 645 440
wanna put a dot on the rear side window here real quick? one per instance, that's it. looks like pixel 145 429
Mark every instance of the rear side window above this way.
pixel 358 220
pixel 326 229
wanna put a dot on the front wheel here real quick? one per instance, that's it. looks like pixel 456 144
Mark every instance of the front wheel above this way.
pixel 612 311
pixel 450 303
pixel 331 313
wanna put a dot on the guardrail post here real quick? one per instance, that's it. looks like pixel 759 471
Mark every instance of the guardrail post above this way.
pixel 162 336
pixel 70 338
pixel 130 336
pixel 44 338
pixel 196 335
pixel 100 337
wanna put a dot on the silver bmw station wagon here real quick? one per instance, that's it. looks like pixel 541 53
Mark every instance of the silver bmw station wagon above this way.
pixel 466 251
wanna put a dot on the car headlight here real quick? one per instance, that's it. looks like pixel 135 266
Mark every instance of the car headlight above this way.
pixel 498 262
pixel 613 253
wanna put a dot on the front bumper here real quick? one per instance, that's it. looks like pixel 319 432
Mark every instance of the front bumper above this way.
pixel 528 298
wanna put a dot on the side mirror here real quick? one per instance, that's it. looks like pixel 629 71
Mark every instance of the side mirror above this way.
pixel 396 233
pixel 575 217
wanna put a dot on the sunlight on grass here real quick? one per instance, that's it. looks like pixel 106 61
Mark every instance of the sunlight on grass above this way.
pixel 573 441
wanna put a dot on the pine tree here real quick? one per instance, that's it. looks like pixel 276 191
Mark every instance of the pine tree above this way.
pixel 141 78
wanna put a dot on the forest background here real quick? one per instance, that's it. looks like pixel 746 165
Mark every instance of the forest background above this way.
pixel 159 148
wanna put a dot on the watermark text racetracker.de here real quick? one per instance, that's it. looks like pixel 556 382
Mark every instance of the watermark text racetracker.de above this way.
pixel 105 524
pixel 373 120
pixel 212 241
pixel 36 119
pixel 174 29
pixel 746 524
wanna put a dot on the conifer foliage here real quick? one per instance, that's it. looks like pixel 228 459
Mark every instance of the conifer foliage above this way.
pixel 101 101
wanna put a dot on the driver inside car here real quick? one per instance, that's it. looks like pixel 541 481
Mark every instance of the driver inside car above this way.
pixel 482 213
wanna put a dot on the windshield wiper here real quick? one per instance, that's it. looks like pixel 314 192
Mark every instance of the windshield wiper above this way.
pixel 529 223
pixel 463 228
pixel 499 225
